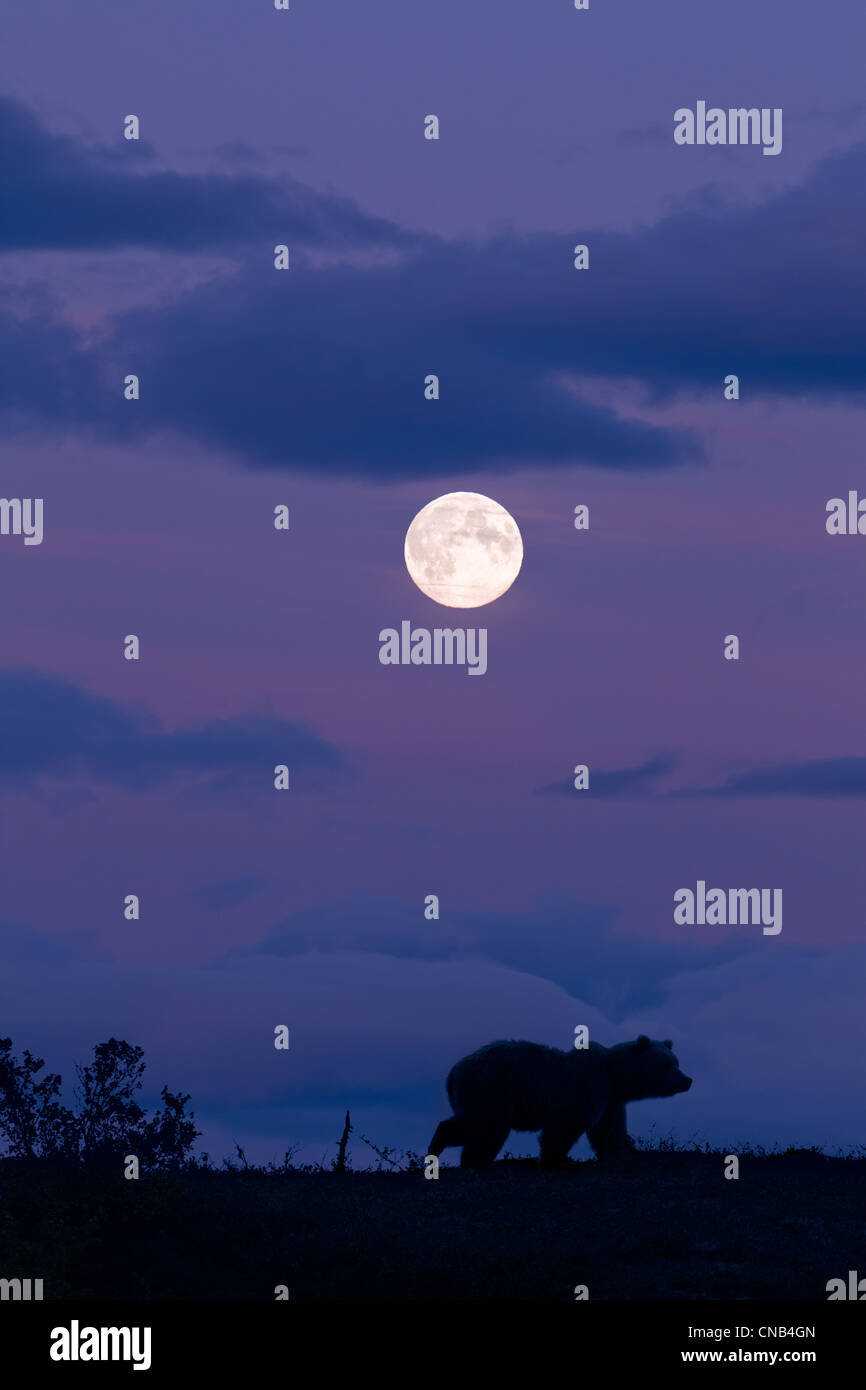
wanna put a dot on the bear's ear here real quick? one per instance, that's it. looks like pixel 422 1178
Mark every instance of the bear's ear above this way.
pixel 668 1043
pixel 642 1042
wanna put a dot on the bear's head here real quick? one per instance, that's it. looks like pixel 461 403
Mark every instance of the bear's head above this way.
pixel 644 1070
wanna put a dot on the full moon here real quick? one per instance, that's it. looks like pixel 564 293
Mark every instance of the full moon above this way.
pixel 463 550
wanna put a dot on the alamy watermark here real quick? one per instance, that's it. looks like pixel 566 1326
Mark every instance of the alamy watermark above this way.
pixel 443 646
pixel 854 1289
pixel 76 1343
pixel 719 907
pixel 22 516
pixel 738 125
pixel 21 1290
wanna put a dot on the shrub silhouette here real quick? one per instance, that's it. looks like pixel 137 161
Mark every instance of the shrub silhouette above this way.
pixel 107 1122
pixel 33 1122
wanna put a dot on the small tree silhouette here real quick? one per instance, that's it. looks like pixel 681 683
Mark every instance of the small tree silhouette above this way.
pixel 33 1122
pixel 107 1122
pixel 108 1116
pixel 166 1139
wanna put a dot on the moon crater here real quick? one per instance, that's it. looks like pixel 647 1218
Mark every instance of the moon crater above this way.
pixel 463 550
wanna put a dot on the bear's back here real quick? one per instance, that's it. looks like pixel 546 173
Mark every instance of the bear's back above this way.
pixel 524 1082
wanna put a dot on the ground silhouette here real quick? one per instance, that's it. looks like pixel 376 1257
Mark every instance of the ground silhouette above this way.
pixel 662 1222
pixel 659 1225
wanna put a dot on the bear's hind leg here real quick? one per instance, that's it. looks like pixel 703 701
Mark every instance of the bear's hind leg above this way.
pixel 449 1135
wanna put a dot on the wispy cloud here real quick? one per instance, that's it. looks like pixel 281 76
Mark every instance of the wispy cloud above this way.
pixel 623 781
pixel 819 777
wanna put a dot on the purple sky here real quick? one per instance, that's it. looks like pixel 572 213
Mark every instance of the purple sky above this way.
pixel 707 518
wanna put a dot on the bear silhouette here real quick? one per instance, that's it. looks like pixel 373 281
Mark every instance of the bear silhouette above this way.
pixel 527 1086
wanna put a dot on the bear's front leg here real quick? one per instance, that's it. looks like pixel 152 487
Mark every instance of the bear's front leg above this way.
pixel 482 1142
pixel 610 1137
pixel 559 1135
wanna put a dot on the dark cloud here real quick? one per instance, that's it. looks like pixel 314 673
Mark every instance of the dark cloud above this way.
pixel 623 781
pixel 53 729
pixel 58 192
pixel 322 368
pixel 772 291
pixel 48 376
pixel 567 942
pixel 817 777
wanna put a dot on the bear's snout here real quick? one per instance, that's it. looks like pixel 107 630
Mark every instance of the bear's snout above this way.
pixel 685 1084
